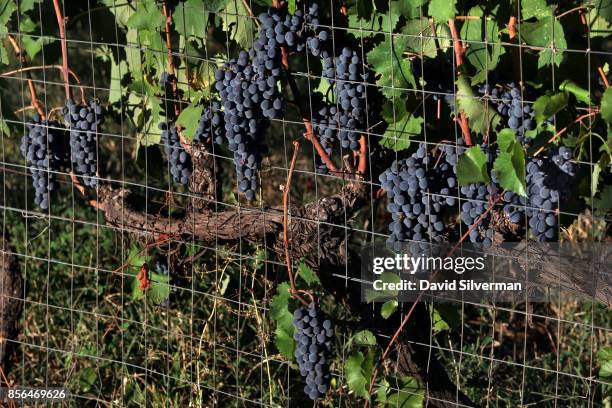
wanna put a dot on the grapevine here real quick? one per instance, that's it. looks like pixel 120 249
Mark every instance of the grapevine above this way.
pixel 411 123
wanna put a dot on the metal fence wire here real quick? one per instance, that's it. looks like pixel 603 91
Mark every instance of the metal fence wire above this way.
pixel 180 177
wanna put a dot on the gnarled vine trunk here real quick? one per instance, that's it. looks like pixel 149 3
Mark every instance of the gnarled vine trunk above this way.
pixel 11 305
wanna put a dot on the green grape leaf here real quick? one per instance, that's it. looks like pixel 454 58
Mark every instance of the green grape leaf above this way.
pixel 158 290
pixel 419 39
pixel 154 55
pixel 603 8
pixel 364 338
pixel 136 258
pixel 485 46
pixel 4 128
pixel 510 163
pixel 4 57
pixel 438 323
pixel 472 167
pixel 451 316
pixel 549 104
pixel 580 93
pixel 535 8
pixel 307 274
pixel 26 25
pixel 358 371
pixel 600 18
pixel 159 284
pixel 548 33
pixel 32 46
pixel 189 118
pixel 442 10
pixel 148 114
pixel 118 73
pixel 27 5
pixel 373 23
pixel 190 18
pixel 291 6
pixel 372 295
pixel 388 308
pixel 236 19
pixel 279 311
pixel 148 16
pixel 392 69
pixel 122 11
pixel 410 8
pixel 595 176
pixel 7 8
pixel 364 8
pixel 410 395
pixel 606 107
pixel 399 133
pixel 482 117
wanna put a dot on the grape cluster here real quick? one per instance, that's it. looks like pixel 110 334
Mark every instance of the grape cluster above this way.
pixel 314 337
pixel 347 75
pixel 241 98
pixel 84 121
pixel 509 103
pixel 180 161
pixel 419 197
pixel 249 95
pixel 46 150
pixel 349 79
pixel 210 124
pixel 278 29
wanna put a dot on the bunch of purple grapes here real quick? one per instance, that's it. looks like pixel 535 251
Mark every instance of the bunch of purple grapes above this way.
pixel 46 151
pixel 314 336
pixel 180 161
pixel 84 122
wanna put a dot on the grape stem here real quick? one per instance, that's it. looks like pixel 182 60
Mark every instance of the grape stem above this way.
pixel 286 190
pixel 35 101
pixel 62 30
pixel 562 131
pixel 459 51
pixel 579 8
pixel 17 48
pixel 602 74
pixel 512 27
pixel 495 198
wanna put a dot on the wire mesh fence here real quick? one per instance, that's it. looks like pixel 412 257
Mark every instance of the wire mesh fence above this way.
pixel 179 177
